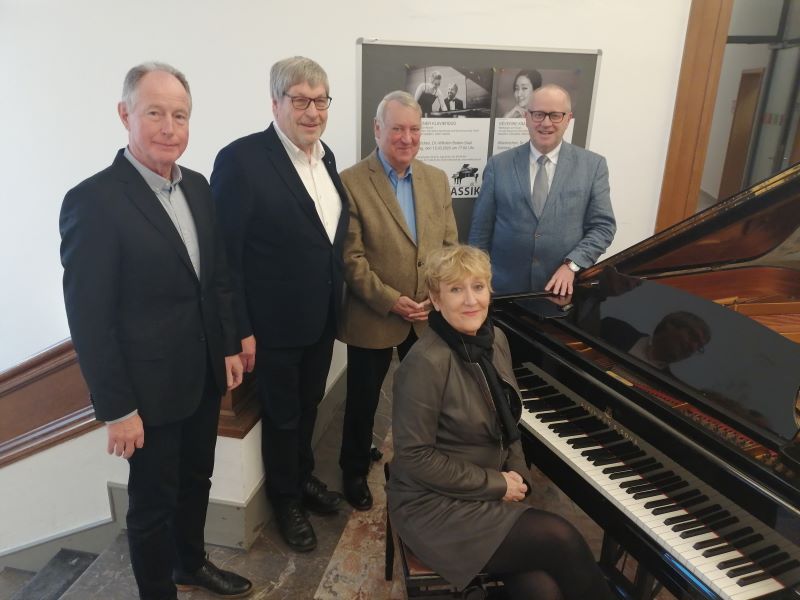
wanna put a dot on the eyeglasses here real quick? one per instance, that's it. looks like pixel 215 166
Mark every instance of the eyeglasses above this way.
pixel 537 116
pixel 302 103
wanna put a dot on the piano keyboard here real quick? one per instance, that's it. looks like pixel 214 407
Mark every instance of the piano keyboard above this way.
pixel 719 543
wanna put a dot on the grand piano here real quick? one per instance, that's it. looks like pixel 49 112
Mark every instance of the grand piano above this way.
pixel 663 397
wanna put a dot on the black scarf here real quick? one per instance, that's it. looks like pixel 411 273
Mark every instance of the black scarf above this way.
pixel 478 348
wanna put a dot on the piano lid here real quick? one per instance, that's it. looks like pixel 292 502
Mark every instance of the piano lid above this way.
pixel 763 221
pixel 729 362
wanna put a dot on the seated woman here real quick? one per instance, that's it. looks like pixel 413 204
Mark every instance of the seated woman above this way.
pixel 459 474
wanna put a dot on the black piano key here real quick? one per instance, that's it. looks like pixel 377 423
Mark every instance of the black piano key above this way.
pixel 575 425
pixel 751 579
pixel 674 500
pixel 703 511
pixel 732 562
pixel 646 485
pixel 606 438
pixel 596 453
pixel 579 425
pixel 534 392
pixel 637 471
pixel 690 524
pixel 706 518
pixel 567 414
pixel 554 402
pixel 748 541
pixel 582 429
pixel 764 552
pixel 652 478
pixel 744 570
pixel 620 457
pixel 710 544
pixel 784 568
pixel 672 487
pixel 736 540
pixel 681 505
pixel 649 494
pixel 773 560
pixel 534 387
pixel 630 466
pixel 695 532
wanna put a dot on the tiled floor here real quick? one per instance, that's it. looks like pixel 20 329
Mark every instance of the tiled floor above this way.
pixel 348 563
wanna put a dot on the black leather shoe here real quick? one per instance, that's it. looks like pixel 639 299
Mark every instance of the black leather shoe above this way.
pixel 295 527
pixel 223 584
pixel 317 498
pixel 357 492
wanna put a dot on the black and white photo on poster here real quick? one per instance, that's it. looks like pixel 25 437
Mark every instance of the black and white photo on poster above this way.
pixel 456 108
pixel 513 88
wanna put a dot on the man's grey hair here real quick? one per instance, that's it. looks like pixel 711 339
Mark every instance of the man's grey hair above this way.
pixel 399 96
pixel 293 71
pixel 131 84
pixel 551 87
pixel 453 85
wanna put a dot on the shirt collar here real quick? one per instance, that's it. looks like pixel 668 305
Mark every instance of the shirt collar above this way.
pixel 153 179
pixel 389 170
pixel 552 155
pixel 316 154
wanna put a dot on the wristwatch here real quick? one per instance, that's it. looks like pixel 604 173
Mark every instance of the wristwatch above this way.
pixel 572 265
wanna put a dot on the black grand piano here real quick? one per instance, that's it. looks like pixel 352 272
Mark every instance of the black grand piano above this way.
pixel 663 398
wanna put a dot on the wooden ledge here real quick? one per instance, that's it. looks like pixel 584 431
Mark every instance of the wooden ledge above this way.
pixel 44 401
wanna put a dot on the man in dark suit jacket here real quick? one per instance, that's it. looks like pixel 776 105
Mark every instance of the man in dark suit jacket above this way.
pixel 284 213
pixel 541 245
pixel 451 102
pixel 150 312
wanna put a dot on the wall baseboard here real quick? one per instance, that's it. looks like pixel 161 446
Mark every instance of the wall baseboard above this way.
pixel 227 524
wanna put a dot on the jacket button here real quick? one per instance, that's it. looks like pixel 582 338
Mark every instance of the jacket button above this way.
pixel 419 263
pixel 202 338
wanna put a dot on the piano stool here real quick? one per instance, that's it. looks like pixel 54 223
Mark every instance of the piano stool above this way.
pixel 423 582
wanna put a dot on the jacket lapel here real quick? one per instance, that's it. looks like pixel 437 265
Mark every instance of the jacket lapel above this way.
pixel 566 160
pixel 205 232
pixel 522 168
pixel 384 189
pixel 146 201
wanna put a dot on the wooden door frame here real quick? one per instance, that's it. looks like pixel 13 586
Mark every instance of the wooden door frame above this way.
pixel 706 36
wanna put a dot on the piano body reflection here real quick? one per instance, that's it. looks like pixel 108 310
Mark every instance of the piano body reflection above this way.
pixel 663 398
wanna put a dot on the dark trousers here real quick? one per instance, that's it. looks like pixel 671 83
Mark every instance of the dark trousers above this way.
pixel 168 486
pixel 366 370
pixel 291 384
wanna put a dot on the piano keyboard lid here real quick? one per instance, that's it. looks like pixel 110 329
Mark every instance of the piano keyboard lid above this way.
pixel 729 363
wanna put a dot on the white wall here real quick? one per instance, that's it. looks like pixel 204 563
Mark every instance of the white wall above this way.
pixel 62 63
pixel 61 67
pixel 737 58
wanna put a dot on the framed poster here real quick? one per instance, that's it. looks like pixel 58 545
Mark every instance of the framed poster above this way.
pixel 473 101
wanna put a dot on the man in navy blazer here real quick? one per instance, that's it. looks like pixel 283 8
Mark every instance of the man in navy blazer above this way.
pixel 536 248
pixel 150 311
pixel 284 214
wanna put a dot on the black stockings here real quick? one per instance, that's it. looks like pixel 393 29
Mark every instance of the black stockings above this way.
pixel 545 558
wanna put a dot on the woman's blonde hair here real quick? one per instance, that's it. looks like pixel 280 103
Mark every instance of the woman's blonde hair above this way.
pixel 453 263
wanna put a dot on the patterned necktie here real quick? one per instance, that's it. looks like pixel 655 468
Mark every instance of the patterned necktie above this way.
pixel 540 186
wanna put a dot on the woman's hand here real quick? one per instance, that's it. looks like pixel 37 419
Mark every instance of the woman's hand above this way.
pixel 515 486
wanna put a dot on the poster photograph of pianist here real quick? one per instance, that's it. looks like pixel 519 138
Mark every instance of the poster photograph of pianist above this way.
pixel 448 92
pixel 514 87
pixel 456 104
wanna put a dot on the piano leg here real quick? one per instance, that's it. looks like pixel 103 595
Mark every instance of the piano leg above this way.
pixel 645 585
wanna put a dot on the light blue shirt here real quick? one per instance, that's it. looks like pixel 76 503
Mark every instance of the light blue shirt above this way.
pixel 404 192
